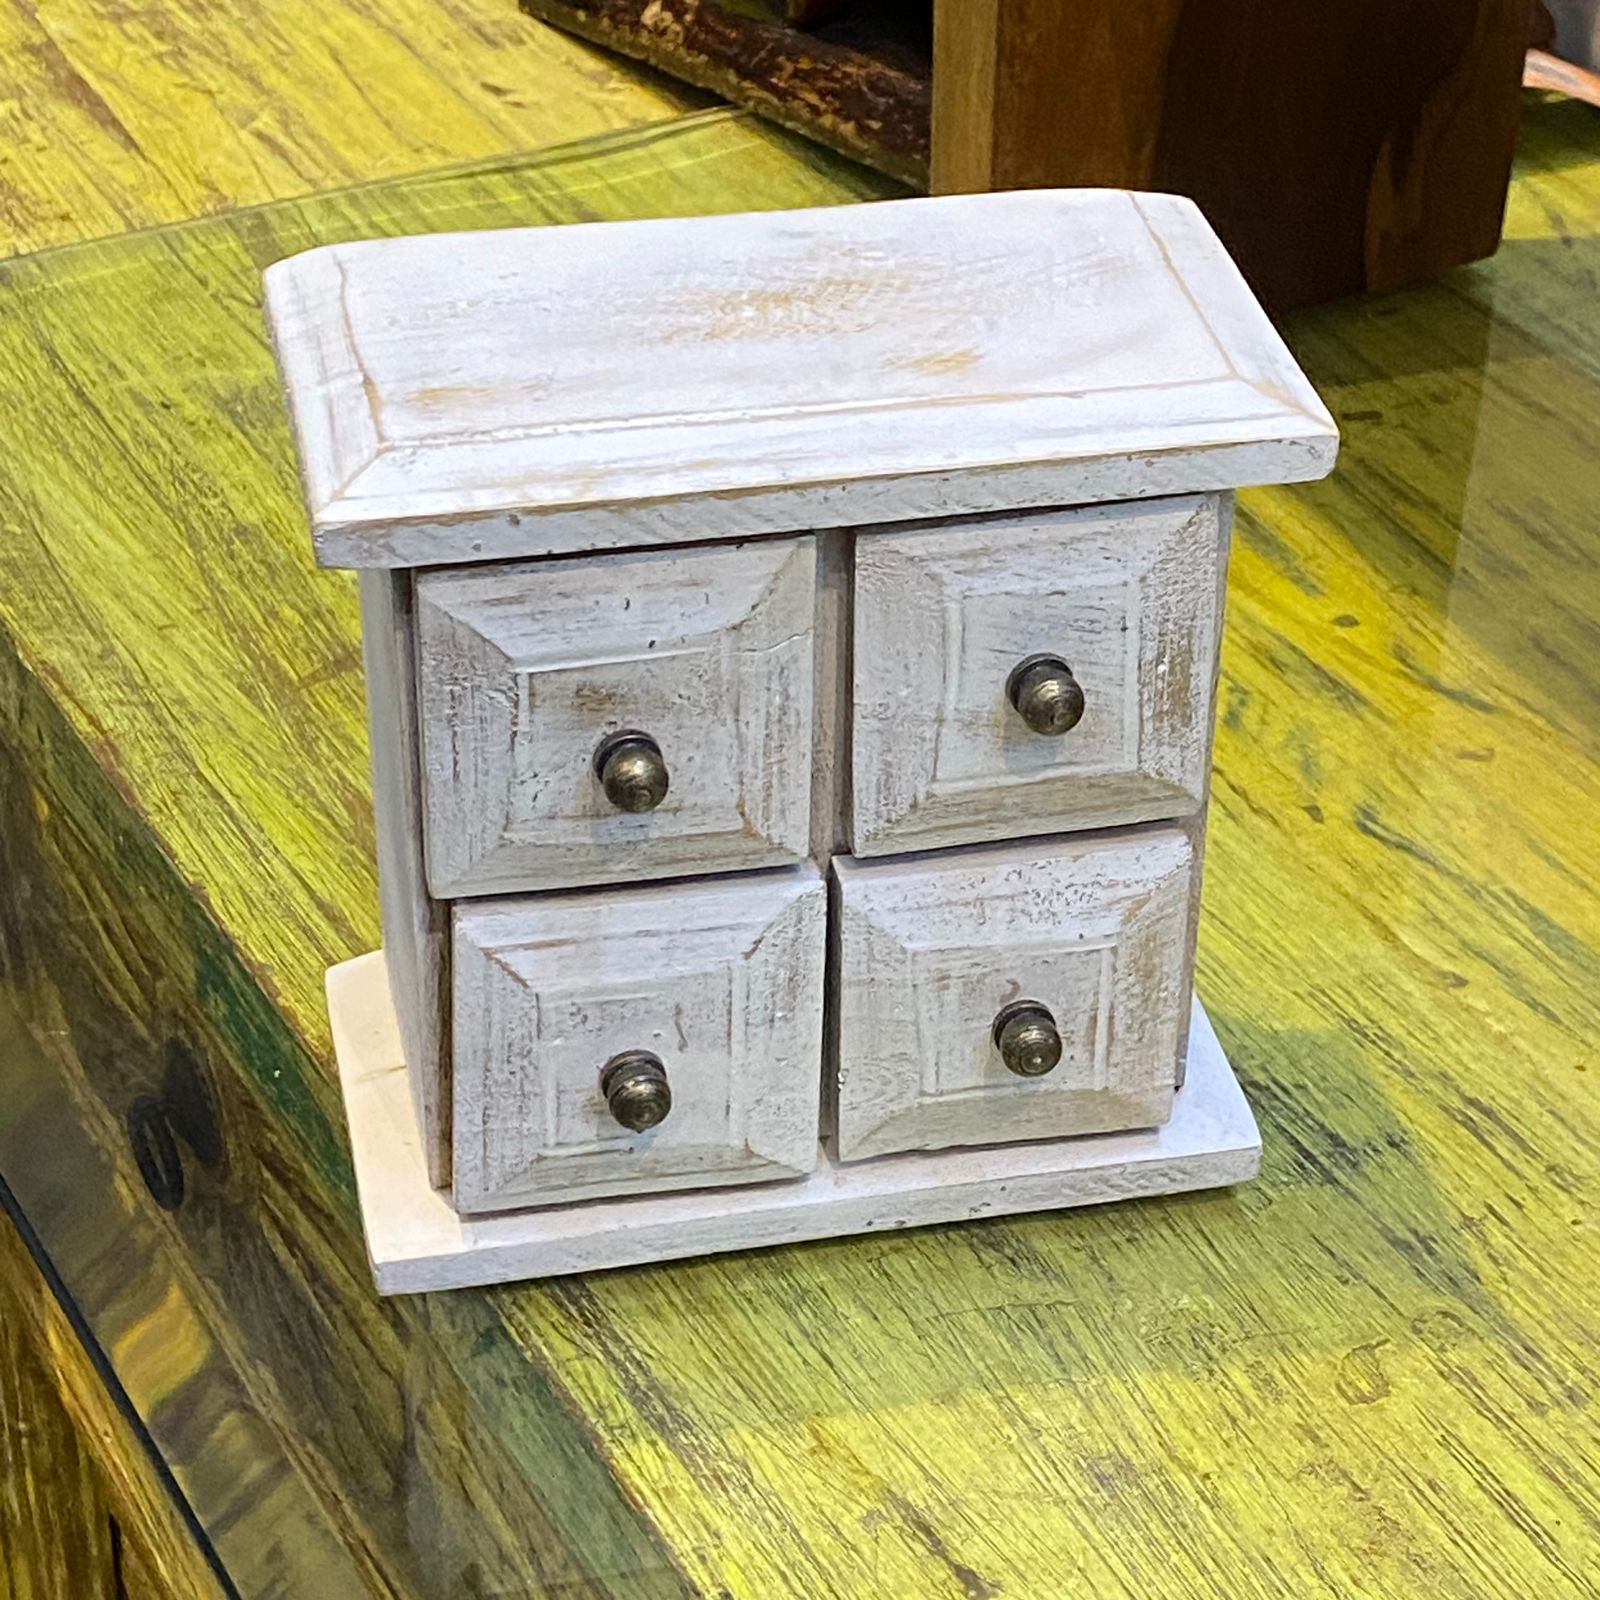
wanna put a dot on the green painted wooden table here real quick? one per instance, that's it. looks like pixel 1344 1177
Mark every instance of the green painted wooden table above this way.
pixel 1370 1373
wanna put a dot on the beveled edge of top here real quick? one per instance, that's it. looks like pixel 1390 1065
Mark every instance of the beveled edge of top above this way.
pixel 375 503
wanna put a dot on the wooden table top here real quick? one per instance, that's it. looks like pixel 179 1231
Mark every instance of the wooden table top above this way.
pixel 114 117
pixel 1367 1373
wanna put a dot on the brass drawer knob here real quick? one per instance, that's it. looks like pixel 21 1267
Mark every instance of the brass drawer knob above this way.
pixel 1046 695
pixel 1026 1037
pixel 632 771
pixel 636 1089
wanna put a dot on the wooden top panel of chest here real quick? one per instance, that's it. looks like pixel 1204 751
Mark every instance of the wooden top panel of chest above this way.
pixel 482 396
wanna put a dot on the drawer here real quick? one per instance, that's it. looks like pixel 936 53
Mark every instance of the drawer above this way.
pixel 635 1040
pixel 528 674
pixel 1016 992
pixel 956 741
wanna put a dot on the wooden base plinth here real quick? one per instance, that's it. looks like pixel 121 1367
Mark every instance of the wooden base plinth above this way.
pixel 417 1241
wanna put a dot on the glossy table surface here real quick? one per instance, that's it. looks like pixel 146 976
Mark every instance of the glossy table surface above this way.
pixel 1370 1372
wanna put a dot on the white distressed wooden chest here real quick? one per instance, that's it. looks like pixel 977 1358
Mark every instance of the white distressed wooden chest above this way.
pixel 791 645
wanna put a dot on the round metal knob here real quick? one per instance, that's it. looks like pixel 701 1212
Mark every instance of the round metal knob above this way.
pixel 631 771
pixel 1046 695
pixel 636 1089
pixel 1026 1037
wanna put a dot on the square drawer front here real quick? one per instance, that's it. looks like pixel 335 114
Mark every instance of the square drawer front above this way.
pixel 526 671
pixel 937 954
pixel 715 988
pixel 1127 597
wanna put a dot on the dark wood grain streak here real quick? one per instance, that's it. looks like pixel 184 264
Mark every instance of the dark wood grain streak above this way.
pixel 871 104
pixel 56 1534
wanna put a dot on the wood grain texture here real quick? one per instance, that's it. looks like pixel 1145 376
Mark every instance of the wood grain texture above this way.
pixel 325 1449
pixel 115 118
pixel 1092 927
pixel 864 97
pixel 419 1242
pixel 1366 1374
pixel 84 1514
pixel 214 425
pixel 720 981
pixel 333 1474
pixel 1127 596
pixel 57 1537
pixel 1336 151
pixel 526 670
pixel 457 400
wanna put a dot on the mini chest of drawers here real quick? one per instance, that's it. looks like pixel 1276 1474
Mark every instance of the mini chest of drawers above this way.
pixel 791 645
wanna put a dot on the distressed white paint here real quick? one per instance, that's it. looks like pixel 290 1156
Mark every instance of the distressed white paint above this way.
pixel 417 1242
pixel 722 981
pixel 526 669
pixel 414 925
pixel 463 397
pixel 1126 595
pixel 931 949
pixel 826 380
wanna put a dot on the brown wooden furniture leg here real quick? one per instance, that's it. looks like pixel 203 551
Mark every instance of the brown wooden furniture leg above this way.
pixel 1336 149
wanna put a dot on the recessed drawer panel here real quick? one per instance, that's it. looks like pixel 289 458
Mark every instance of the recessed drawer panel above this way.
pixel 635 1040
pixel 622 717
pixel 1034 674
pixel 1015 992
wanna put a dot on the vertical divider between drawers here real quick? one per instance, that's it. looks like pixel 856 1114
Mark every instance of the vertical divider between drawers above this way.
pixel 831 763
